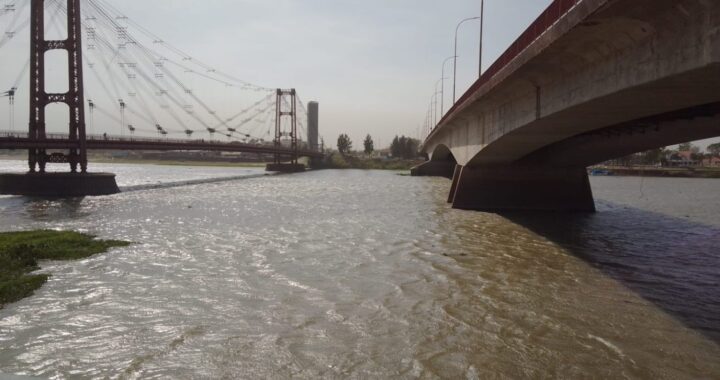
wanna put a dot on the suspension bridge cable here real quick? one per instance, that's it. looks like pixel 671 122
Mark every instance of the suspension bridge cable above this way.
pixel 167 72
pixel 161 91
pixel 14 29
pixel 153 56
pixel 177 51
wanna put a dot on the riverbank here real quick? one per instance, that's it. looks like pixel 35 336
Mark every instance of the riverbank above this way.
pixel 181 163
pixel 660 172
pixel 338 161
pixel 21 251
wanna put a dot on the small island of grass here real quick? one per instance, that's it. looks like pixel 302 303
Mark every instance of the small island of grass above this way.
pixel 21 251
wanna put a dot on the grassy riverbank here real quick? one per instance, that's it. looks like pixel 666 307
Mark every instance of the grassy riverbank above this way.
pixel 21 251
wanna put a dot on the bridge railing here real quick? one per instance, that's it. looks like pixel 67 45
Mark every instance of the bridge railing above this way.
pixel 547 19
pixel 105 137
pixel 149 140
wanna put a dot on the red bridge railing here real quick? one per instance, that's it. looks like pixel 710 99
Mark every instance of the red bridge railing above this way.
pixel 91 137
pixel 548 18
pixel 20 140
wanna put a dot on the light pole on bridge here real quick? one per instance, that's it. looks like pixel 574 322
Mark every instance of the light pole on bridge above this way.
pixel 457 28
pixel 442 87
pixel 435 102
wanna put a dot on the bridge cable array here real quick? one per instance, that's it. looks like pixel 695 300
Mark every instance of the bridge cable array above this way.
pixel 138 82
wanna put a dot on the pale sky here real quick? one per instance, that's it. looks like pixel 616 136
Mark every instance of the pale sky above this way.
pixel 371 64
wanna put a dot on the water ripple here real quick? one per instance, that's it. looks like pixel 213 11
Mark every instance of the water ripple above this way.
pixel 354 274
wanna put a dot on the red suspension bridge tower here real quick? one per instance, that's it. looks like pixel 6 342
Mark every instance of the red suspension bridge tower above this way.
pixel 44 148
pixel 37 182
pixel 283 109
pixel 73 98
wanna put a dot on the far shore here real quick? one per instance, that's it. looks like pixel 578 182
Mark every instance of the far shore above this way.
pixel 665 172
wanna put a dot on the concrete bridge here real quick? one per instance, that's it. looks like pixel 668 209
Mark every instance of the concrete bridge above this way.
pixel 589 81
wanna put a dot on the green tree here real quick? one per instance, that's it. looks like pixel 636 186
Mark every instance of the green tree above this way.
pixel 369 145
pixel 395 148
pixel 714 149
pixel 685 147
pixel 413 146
pixel 404 147
pixel 652 157
pixel 344 144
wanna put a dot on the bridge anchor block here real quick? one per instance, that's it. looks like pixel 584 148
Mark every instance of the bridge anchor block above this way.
pixel 285 168
pixel 58 185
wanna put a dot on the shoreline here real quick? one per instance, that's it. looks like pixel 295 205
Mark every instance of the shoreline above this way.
pixel 21 252
pixel 627 171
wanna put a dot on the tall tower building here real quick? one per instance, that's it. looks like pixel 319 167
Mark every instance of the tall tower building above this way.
pixel 312 123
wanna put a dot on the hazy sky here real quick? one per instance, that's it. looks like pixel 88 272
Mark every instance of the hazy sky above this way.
pixel 371 64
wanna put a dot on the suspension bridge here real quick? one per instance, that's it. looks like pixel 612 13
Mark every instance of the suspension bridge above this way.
pixel 142 93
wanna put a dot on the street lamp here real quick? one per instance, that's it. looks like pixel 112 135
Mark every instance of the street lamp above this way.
pixel 482 28
pixel 435 102
pixel 457 28
pixel 442 88
pixel 427 121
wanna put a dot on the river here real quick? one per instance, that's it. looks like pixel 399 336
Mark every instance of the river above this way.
pixel 369 274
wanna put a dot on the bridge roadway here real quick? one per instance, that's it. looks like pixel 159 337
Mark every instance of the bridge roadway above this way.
pixel 95 142
pixel 588 81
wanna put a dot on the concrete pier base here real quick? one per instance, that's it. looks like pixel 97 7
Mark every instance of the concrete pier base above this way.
pixel 522 188
pixel 58 184
pixel 285 168
pixel 434 169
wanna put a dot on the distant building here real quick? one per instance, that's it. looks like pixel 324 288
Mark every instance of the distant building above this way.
pixel 313 115
pixel 712 162
pixel 682 159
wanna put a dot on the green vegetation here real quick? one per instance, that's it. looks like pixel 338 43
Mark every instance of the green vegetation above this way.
pixel 369 145
pixel 344 144
pixel 404 147
pixel 714 149
pixel 339 161
pixel 20 252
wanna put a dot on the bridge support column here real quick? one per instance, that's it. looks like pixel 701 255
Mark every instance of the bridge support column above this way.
pixel 434 169
pixel 455 180
pixel 522 188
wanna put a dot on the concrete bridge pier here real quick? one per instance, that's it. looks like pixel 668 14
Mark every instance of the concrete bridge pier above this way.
pixel 521 188
pixel 434 169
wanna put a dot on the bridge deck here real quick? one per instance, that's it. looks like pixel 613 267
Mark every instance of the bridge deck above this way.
pixel 61 141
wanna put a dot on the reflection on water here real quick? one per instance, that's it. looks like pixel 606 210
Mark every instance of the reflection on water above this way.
pixel 668 261
pixel 43 209
pixel 371 275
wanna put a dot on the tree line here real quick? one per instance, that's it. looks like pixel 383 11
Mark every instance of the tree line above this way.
pixel 401 146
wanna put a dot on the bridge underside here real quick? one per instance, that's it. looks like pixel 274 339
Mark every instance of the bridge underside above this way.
pixel 609 79
pixel 555 177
